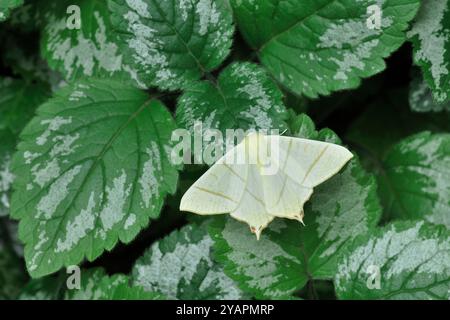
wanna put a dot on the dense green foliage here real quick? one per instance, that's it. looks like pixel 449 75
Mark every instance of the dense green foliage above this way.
pixel 91 92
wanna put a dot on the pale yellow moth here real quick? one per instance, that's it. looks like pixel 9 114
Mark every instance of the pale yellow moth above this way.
pixel 254 190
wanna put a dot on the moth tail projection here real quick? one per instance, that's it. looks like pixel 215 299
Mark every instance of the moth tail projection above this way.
pixel 257 231
pixel 300 217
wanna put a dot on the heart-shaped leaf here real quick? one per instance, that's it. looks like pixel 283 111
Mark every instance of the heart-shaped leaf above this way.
pixel 171 43
pixel 244 97
pixel 401 261
pixel 186 256
pixel 315 47
pixel 92 168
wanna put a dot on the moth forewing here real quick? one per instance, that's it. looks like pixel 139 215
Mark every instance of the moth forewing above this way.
pixel 330 160
pixel 219 190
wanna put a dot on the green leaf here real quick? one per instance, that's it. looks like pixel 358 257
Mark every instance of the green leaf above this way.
pixel 92 168
pixel 244 97
pixel 171 43
pixel 6 6
pixel 302 126
pixel 89 51
pixel 415 182
pixel 315 47
pixel 389 120
pixel 94 285
pixel 12 274
pixel 180 267
pixel 413 259
pixel 430 35
pixel 289 255
pixel 421 98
